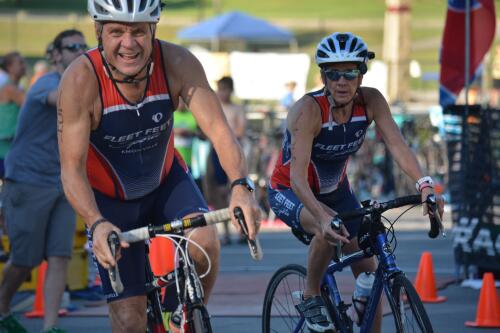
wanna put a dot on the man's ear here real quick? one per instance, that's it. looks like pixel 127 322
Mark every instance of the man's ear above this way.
pixel 98 26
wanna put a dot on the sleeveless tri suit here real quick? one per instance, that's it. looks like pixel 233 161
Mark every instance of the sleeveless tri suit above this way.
pixel 327 170
pixel 137 176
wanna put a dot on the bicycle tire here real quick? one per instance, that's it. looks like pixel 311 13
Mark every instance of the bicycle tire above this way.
pixel 287 280
pixel 200 321
pixel 410 300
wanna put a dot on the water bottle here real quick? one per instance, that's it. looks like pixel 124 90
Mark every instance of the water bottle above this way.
pixel 362 291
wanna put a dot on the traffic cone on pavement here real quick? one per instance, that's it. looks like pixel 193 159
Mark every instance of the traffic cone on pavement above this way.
pixel 38 305
pixel 488 309
pixel 425 283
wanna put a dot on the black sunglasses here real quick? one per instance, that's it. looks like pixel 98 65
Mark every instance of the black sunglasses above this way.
pixel 75 47
pixel 349 75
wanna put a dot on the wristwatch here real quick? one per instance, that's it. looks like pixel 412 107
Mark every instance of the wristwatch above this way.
pixel 422 181
pixel 336 223
pixel 247 182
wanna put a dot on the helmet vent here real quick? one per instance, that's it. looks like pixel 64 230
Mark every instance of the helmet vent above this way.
pixel 321 54
pixel 117 4
pixel 353 44
pixel 130 5
pixel 100 10
pixel 332 45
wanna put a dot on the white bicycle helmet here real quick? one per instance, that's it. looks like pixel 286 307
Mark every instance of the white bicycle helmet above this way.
pixel 125 10
pixel 342 47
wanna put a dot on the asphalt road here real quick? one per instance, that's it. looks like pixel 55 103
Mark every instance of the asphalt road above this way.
pixel 237 299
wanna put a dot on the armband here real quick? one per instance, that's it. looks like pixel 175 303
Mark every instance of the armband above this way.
pixel 424 181
pixel 96 223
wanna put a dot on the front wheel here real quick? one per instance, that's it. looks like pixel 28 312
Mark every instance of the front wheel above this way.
pixel 283 292
pixel 200 321
pixel 407 308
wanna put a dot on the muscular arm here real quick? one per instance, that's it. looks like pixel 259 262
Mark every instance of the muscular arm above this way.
pixel 303 123
pixel 393 139
pixel 74 109
pixel 207 110
pixel 192 86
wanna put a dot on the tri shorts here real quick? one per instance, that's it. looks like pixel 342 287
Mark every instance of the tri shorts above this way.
pixel 176 197
pixel 287 206
pixel 40 222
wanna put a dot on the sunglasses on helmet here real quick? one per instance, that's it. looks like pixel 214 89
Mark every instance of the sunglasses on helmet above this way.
pixel 75 47
pixel 349 75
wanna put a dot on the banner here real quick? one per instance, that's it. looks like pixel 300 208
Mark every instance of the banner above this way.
pixel 482 32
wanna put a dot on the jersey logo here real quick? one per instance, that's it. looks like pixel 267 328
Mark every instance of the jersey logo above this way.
pixel 359 133
pixel 157 117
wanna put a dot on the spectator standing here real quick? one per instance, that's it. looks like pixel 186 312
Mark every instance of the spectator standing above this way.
pixel 33 189
pixel 216 183
pixel 11 98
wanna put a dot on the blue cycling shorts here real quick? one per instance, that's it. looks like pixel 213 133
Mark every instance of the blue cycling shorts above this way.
pixel 287 206
pixel 177 197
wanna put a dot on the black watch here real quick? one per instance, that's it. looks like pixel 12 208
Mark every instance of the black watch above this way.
pixel 247 182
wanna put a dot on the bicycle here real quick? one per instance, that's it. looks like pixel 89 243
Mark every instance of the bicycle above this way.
pixel 286 286
pixel 187 282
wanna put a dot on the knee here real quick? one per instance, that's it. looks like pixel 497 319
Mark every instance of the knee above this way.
pixel 208 240
pixel 129 321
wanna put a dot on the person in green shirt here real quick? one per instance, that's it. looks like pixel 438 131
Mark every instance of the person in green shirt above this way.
pixel 185 130
pixel 11 99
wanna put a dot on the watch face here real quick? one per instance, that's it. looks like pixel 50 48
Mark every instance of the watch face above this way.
pixel 250 184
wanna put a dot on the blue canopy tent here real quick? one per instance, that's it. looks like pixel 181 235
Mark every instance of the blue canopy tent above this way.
pixel 236 26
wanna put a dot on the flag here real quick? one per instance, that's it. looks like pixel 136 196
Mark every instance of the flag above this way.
pixel 482 32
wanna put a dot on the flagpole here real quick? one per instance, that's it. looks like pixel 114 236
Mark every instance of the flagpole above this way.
pixel 467 51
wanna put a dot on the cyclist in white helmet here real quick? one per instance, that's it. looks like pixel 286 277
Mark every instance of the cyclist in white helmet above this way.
pixel 309 184
pixel 119 167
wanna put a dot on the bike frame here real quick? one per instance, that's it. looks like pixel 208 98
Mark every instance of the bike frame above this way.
pixel 386 269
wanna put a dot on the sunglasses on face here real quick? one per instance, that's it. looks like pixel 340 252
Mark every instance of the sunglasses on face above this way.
pixel 75 47
pixel 349 75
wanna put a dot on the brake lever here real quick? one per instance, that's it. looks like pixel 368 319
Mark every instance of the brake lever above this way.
pixel 253 245
pixel 435 220
pixel 114 273
pixel 336 225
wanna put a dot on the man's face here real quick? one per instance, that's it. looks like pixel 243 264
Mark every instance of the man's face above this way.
pixel 224 92
pixel 71 48
pixel 342 80
pixel 18 67
pixel 127 46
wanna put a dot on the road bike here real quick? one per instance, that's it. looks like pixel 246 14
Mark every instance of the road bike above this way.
pixel 196 318
pixel 286 286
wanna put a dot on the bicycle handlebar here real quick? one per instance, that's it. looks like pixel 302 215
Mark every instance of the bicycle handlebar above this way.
pixel 177 226
pixel 436 225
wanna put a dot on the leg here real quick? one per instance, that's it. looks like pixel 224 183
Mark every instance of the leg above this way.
pixel 55 282
pixel 366 265
pixel 207 238
pixel 317 261
pixel 128 315
pixel 13 277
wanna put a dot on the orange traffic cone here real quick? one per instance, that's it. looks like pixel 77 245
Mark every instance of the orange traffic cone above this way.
pixel 488 310
pixel 425 283
pixel 38 305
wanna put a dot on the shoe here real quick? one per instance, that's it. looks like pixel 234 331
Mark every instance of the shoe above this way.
pixel 55 330
pixel 10 324
pixel 176 320
pixel 315 313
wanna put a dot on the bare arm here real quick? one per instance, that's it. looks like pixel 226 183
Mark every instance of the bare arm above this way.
pixel 391 135
pixel 303 123
pixel 15 94
pixel 207 110
pixel 394 140
pixel 75 107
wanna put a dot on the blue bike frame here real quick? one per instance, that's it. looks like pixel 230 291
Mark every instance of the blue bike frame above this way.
pixel 386 269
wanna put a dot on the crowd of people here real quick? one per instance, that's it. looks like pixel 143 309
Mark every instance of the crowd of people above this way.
pixel 130 133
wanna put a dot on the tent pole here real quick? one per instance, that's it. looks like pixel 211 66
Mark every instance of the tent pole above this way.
pixel 467 52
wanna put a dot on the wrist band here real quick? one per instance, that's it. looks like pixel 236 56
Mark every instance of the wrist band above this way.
pixel 422 181
pixel 425 185
pixel 96 223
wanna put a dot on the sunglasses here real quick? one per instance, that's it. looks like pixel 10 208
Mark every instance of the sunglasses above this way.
pixel 75 47
pixel 349 75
